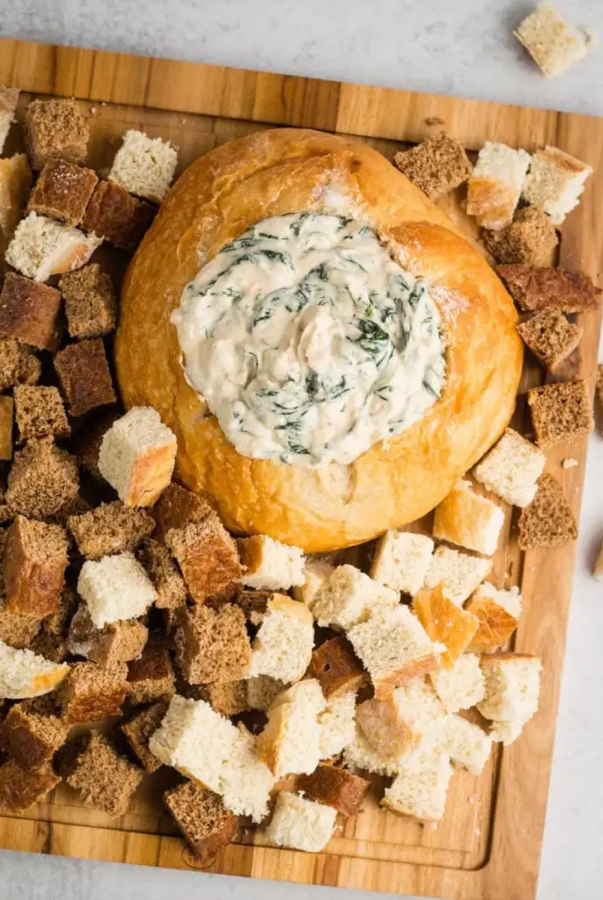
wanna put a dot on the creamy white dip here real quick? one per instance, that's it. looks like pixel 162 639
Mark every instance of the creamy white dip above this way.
pixel 309 342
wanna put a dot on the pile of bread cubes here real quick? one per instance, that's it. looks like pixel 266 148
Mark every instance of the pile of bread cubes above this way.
pixel 136 632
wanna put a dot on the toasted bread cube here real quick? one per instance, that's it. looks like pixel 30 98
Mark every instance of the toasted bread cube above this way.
pixel 316 576
pixel 29 311
pixel 269 565
pixel 290 742
pixel 91 692
pixel 10 361
pixel 401 561
pixel 137 456
pixel 20 790
pixel 512 683
pixel 9 97
pixel 458 573
pixel 393 646
pixel 282 647
pixel 110 528
pixel 421 786
pixel 301 824
pixel 42 480
pixel 560 411
pixel 460 687
pixel 29 366
pixel 254 604
pixel 105 779
pixel 543 287
pixel 550 337
pixel 42 247
pixel 165 577
pixel 511 469
pixel 40 413
pixel 495 184
pixel 115 643
pixel 212 646
pixel 144 166
pixel 15 185
pixel 178 507
pixel 349 598
pixel 335 787
pixel 151 676
pixel 498 612
pixel 90 304
pixel 138 730
pixel 200 815
pixel 16 630
pixel 207 556
pixel 55 128
pixel 467 745
pixel 337 668
pixel 85 376
pixel 115 587
pixel 228 697
pixel 468 520
pixel 555 182
pixel 6 427
pixel 553 43
pixel 62 191
pixel 117 216
pixel 529 240
pixel 437 165
pixel 336 724
pixel 24 674
pixel 548 521
pixel 34 567
pixel 445 623
pixel 383 727
pixel 31 735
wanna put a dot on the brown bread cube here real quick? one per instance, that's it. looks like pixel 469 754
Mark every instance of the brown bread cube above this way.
pixel 437 165
pixel 42 480
pixel 90 303
pixel 228 697
pixel 55 128
pixel 118 217
pixel 30 367
pixel 91 692
pixel 16 630
pixel 18 364
pixel 29 311
pixel 337 668
pixel 105 779
pixel 58 623
pixel 6 427
pixel 207 556
pixel 34 567
pixel 110 528
pixel 161 569
pixel 151 676
pixel 548 521
pixel 533 288
pixel 31 735
pixel 550 337
pixel 253 603
pixel 20 790
pixel 62 191
pixel 178 507
pixel 212 646
pixel 117 642
pixel 85 376
pixel 335 787
pixel 52 647
pixel 138 731
pixel 202 818
pixel 40 413
pixel 529 240
pixel 560 411
pixel 86 445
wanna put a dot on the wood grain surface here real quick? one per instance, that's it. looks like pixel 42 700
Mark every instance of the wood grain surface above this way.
pixel 488 845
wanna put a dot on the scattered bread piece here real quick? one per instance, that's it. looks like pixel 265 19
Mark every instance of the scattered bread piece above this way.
pixel 445 623
pixel 468 520
pixel 85 376
pixel 41 247
pixel 16 630
pixel 9 97
pixel 207 556
pixel 335 787
pixel 269 565
pixel 6 427
pixel 421 786
pixel 212 646
pixel 21 790
pixel 109 528
pixel 115 587
pixel 466 744
pixel 62 192
pixel 165 577
pixel 117 216
pixel 383 727
pixel 34 567
pixel 560 411
pixel 138 730
pixel 137 456
pixel 105 779
pixel 548 521
pixel 43 479
pixel 336 725
pixel 460 687
pixel 11 361
pixel 495 184
pixel 569 463
pixel 178 507
pixel 40 413
pixel 437 165
pixel 512 683
pixel 529 240
pixel 458 573
pixel 511 469
pixel 316 576
pixel 55 128
pixel 498 612
pixel 15 185
pixel 91 692
pixel 90 304
pixel 29 312
pixel 31 735
pixel 290 742
pixel 301 824
pixel 228 697
pixel 115 643
pixel 555 182
pixel 401 561
pixel 543 287
pixel 337 668
pixel 349 598
pixel 23 674
pixel 200 815
pixel 282 647
pixel 144 166
pixel 553 43
pixel 550 337
pixel 150 675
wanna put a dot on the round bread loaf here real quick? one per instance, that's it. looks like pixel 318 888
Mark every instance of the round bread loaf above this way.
pixel 273 173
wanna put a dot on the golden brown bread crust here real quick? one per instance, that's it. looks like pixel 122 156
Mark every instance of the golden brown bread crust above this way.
pixel 276 172
pixel 445 623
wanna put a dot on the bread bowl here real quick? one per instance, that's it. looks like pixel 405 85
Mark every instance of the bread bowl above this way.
pixel 331 504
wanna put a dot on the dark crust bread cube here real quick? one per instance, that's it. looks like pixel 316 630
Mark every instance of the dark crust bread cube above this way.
pixel 20 790
pixel 437 165
pixel 550 337
pixel 560 411
pixel 29 311
pixel 34 567
pixel 138 731
pixel 178 507
pixel 207 556
pixel 90 303
pixel 117 642
pixel 42 480
pixel 529 240
pixel 212 646
pixel 337 668
pixel 31 737
pixel 118 217
pixel 548 521
pixel 91 692
pixel 151 676
pixel 200 814
pixel 18 364
pixel 335 787
pixel 40 413
pixel 106 779
pixel 55 128
pixel 545 287
pixel 253 602
pixel 85 376
pixel 62 191
pixel 164 574
pixel 110 528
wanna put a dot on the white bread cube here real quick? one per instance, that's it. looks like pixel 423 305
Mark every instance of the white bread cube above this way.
pixel 498 612
pixel 512 682
pixel 466 744
pixel 301 824
pixel 144 166
pixel 495 184
pixel 316 576
pixel 349 598
pixel 401 561
pixel 8 103
pixel 506 733
pixel 114 588
pixel 466 519
pixel 15 185
pixel 282 647
pixel 290 742
pixel 553 43
pixel 458 573
pixel 421 710
pixel 25 674
pixel 462 686
pixel 555 182
pixel 361 754
pixel 393 647
pixel 421 786
pixel 137 456
pixel 598 570
pixel 41 247
pixel 336 724
pixel 269 565
pixel 511 469
pixel 262 691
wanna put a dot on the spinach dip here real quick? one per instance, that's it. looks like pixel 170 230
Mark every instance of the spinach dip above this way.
pixel 309 342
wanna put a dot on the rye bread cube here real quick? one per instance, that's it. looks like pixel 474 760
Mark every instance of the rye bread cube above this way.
pixel 40 413
pixel 7 406
pixel 87 443
pixel 178 507
pixel 202 818
pixel 335 787
pixel 85 376
pixel 115 643
pixel 62 191
pixel 138 731
pixel 91 692
pixel 548 521
pixel 530 239
pixel 151 676
pixel 105 779
pixel 118 217
pixel 110 528
pixel 560 411
pixel 437 165
pixel 32 734
pixel 21 790
pixel 550 337
pixel 42 479
pixel 29 311
pixel 55 128
pixel 207 556
pixel 34 567
pixel 164 574
pixel 16 630
pixel 18 364
pixel 337 668
pixel 212 646
pixel 90 303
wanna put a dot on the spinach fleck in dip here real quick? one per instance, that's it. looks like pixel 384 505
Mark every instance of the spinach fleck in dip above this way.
pixel 309 342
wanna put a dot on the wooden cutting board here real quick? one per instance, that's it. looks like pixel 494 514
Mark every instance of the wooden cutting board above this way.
pixel 489 843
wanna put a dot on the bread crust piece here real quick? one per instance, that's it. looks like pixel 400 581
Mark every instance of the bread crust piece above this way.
pixel 276 172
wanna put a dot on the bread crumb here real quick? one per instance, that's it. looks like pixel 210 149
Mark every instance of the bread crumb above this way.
pixel 570 463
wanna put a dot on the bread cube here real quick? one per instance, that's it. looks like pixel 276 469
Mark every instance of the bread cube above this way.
pixel 421 786
pixel 6 427
pixel 460 687
pixel 34 567
pixel 150 675
pixel 290 742
pixel 421 710
pixel 116 216
pixel 91 692
pixel 138 730
pixel 10 362
pixel 55 128
pixel 560 411
pixel 336 725
pixel 498 612
pixel 553 43
pixel 511 469
pixel 23 674
pixel 42 247
pixel 467 745
pixel 360 754
pixel 115 587
pixel 90 304
pixel 262 691
pixel 466 519
pixel 62 191
pixel 301 824
pixel 384 728
pixel 110 528
pixel 115 643
pixel 137 456
pixel 282 647
pixel 40 413
pixel 228 697
pixel 555 182
pixel 530 239
pixel 543 287
pixel 212 646
pixel 9 97
pixel 29 312
pixel 550 337
pixel 506 733
pixel 31 735
pixel 21 790
pixel 105 779
pixel 208 558
pixel 437 165
pixel 445 623
pixel 401 561
pixel 15 185
pixel 200 814
pixel 316 576
pixel 165 577
pixel 458 573
pixel 512 682
pixel 270 565
pixel 349 598
pixel 144 166
pixel 16 630
pixel 85 376
pixel 495 184
pixel 336 787
pixel 548 521
pixel 337 668
pixel 86 443
pixel 42 480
